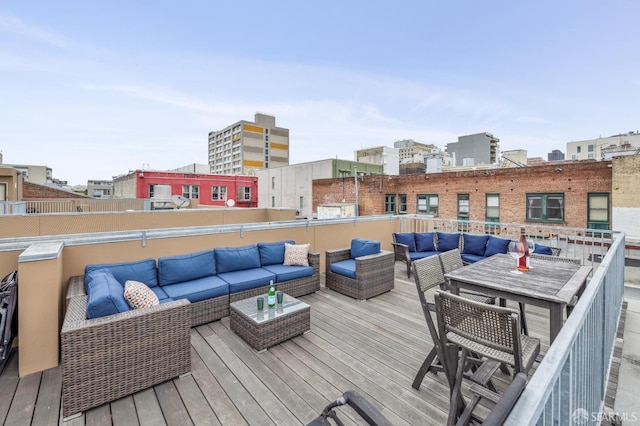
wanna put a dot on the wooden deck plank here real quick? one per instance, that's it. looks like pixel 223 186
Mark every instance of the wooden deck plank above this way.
pixel 276 383
pixel 223 408
pixel 24 400
pixel 8 383
pixel 275 409
pixel 173 409
pixel 196 404
pixel 48 403
pixel 99 416
pixel 250 410
pixel 123 412
pixel 148 408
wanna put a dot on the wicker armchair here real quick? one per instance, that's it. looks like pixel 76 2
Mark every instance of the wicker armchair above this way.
pixel 374 274
pixel 107 358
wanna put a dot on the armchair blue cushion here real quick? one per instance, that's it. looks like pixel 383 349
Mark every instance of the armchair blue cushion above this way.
pixel 540 249
pixel 143 271
pixel 474 244
pixel 346 268
pixel 406 238
pixel 105 294
pixel 496 245
pixel 425 241
pixel 272 253
pixel 229 259
pixel 186 267
pixel 361 247
pixel 448 241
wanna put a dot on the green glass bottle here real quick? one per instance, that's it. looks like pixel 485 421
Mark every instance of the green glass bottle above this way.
pixel 271 295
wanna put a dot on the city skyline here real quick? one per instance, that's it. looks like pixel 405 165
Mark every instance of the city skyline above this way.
pixel 95 90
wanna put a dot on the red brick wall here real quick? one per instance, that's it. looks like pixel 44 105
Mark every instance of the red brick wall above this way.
pixel 32 191
pixel 573 179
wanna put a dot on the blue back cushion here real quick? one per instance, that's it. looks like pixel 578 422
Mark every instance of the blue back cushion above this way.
pixel 105 294
pixel 540 249
pixel 229 259
pixel 143 271
pixel 185 267
pixel 496 245
pixel 362 247
pixel 406 238
pixel 448 241
pixel 425 241
pixel 272 253
pixel 474 244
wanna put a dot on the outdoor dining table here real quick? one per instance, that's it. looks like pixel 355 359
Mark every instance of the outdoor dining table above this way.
pixel 549 284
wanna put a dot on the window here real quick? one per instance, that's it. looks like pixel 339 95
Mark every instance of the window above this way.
pixel 191 191
pixel 151 190
pixel 578 149
pixel 301 203
pixel 463 206
pixel 244 193
pixel 545 207
pixel 493 208
pixel 590 148
pixel 390 203
pixel 402 204
pixel 273 201
pixel 219 193
pixel 598 211
pixel 427 204
pixel 273 183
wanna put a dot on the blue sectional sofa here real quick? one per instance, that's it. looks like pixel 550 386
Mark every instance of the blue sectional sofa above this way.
pixel 410 246
pixel 208 279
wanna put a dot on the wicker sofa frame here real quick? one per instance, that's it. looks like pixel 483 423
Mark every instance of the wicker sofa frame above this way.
pixel 107 358
pixel 374 274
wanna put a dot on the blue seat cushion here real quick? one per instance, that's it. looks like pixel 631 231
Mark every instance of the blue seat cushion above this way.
pixel 425 241
pixel 471 258
pixel 420 254
pixel 198 289
pixel 346 268
pixel 448 241
pixel 247 279
pixel 474 244
pixel 143 271
pixel 540 249
pixel 361 247
pixel 230 259
pixel 406 238
pixel 162 295
pixel 496 245
pixel 286 272
pixel 185 267
pixel 105 294
pixel 272 253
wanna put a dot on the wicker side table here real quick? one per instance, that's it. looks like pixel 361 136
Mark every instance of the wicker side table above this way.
pixel 262 329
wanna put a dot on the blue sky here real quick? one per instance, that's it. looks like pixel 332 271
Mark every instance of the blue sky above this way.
pixel 95 89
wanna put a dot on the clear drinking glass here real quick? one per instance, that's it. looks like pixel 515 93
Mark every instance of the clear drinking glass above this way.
pixel 260 303
pixel 516 251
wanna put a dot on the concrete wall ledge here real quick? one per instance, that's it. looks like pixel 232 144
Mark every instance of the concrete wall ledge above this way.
pixel 41 251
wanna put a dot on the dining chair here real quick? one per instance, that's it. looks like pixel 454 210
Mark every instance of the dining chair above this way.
pixel 452 260
pixel 485 330
pixel 428 275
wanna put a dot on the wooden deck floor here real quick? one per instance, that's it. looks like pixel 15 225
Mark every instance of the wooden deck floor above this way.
pixel 375 347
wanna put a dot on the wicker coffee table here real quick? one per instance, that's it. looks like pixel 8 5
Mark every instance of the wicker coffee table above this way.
pixel 262 329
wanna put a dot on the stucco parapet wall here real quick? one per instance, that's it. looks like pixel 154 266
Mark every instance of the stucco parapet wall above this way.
pixel 41 251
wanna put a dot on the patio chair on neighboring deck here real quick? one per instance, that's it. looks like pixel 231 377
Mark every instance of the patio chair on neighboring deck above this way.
pixel 485 330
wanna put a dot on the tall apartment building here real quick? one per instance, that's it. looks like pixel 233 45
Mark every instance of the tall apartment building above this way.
pixel 476 149
pixel 555 155
pixel 245 146
pixel 388 158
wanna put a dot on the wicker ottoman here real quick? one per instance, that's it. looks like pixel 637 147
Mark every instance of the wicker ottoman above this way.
pixel 271 326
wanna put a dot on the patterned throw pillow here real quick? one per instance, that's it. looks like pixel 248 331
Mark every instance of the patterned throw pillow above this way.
pixel 296 254
pixel 138 295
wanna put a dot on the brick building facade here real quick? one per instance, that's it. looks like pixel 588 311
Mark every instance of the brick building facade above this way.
pixel 569 186
pixel 31 191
